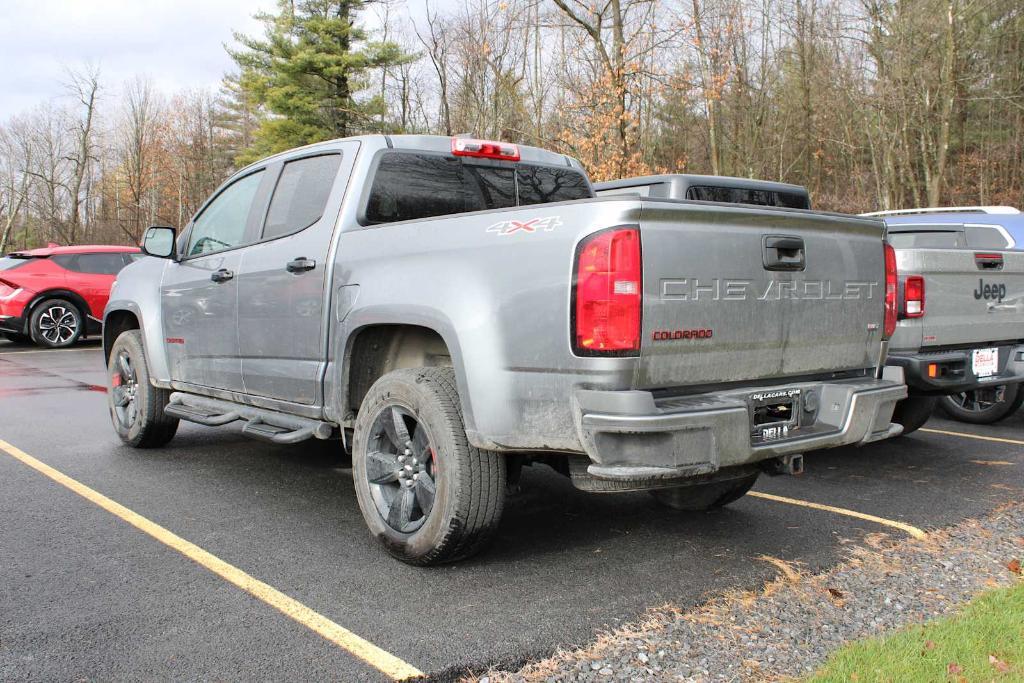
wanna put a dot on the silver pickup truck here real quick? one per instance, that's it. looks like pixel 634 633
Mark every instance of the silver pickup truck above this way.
pixel 960 337
pixel 452 309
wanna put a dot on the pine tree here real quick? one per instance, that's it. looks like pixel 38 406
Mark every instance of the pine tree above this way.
pixel 309 72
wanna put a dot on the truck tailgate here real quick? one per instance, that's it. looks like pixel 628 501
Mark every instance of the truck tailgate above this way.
pixel 727 299
pixel 970 296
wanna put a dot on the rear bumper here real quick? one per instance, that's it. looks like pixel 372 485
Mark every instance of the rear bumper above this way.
pixel 954 369
pixel 630 436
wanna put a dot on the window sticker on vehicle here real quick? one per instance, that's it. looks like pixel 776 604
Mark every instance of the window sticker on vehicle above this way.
pixel 512 226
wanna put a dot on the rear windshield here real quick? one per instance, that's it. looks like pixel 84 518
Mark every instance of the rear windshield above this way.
pixel 10 262
pixel 408 186
pixel 740 195
pixel 927 240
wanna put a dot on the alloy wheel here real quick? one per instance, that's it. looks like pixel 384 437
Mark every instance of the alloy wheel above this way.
pixel 58 324
pixel 970 401
pixel 124 390
pixel 401 468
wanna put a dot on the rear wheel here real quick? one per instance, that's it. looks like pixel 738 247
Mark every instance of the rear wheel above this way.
pixel 983 406
pixel 706 496
pixel 426 494
pixel 913 412
pixel 136 406
pixel 56 323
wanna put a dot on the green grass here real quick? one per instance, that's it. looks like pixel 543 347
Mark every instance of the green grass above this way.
pixel 990 625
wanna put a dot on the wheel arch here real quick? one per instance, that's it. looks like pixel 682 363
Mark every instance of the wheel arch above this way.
pixel 116 323
pixel 376 349
pixel 66 294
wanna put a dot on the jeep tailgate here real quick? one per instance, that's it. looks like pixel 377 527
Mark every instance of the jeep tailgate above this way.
pixel 740 294
pixel 971 296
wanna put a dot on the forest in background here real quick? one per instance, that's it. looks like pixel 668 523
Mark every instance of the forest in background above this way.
pixel 872 104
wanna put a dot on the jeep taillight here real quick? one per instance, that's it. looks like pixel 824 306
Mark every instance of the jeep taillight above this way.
pixel 913 297
pixel 607 294
pixel 889 324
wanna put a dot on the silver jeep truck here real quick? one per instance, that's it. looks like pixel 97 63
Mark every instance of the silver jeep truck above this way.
pixel 960 336
pixel 452 309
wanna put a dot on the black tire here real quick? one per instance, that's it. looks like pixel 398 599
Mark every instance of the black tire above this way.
pixel 136 406
pixel 56 324
pixel 966 407
pixel 706 496
pixel 443 501
pixel 913 412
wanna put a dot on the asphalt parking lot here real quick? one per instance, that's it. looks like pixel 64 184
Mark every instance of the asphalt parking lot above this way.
pixel 85 595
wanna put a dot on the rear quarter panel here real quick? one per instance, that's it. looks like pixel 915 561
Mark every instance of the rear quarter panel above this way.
pixel 499 295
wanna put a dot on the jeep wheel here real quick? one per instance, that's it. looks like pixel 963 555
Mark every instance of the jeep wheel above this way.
pixel 913 412
pixel 979 408
pixel 706 496
pixel 56 323
pixel 136 406
pixel 426 494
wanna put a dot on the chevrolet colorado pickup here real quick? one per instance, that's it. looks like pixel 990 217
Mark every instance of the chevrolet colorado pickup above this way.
pixel 453 309
pixel 965 346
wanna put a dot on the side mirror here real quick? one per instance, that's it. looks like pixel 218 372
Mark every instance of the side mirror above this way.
pixel 159 242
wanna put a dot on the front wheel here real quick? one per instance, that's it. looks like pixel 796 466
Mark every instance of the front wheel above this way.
pixel 136 406
pixel 426 494
pixel 913 412
pixel 982 406
pixel 56 324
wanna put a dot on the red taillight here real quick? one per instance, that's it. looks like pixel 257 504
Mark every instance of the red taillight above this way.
pixel 488 149
pixel 608 294
pixel 889 326
pixel 913 297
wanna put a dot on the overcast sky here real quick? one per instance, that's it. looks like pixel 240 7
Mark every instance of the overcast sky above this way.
pixel 177 43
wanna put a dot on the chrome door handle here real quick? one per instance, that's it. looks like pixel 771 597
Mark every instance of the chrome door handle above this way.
pixel 222 275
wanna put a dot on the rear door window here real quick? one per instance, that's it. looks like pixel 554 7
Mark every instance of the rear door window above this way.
pixel 409 186
pixel 301 194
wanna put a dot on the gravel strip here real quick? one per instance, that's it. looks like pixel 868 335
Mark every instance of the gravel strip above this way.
pixel 787 628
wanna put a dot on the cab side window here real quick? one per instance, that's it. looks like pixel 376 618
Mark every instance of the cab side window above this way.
pixel 301 194
pixel 221 225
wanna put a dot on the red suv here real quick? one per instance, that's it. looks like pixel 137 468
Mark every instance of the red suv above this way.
pixel 56 295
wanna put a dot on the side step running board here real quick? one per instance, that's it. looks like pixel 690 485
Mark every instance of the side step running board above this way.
pixel 260 423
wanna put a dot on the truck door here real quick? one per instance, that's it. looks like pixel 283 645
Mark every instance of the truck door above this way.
pixel 281 315
pixel 199 294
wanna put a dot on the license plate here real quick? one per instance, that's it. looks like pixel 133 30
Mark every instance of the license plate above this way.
pixel 773 414
pixel 985 362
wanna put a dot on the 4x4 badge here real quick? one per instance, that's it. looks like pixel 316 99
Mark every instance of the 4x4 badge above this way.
pixel 511 226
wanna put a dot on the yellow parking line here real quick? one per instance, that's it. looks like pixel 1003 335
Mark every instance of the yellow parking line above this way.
pixel 384 661
pixel 972 436
pixel 912 530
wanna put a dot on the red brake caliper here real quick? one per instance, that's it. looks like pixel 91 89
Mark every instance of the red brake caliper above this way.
pixel 116 380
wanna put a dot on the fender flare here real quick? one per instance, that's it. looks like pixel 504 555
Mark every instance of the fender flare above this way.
pixel 417 316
